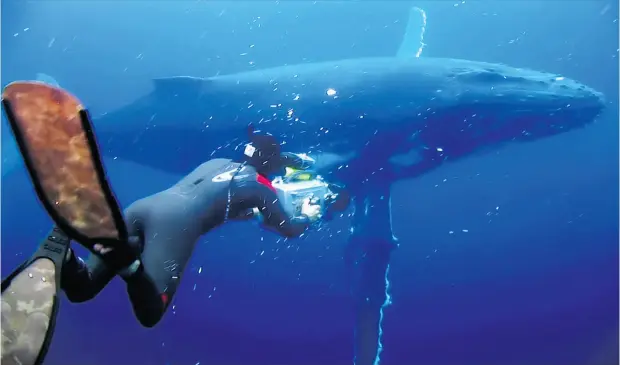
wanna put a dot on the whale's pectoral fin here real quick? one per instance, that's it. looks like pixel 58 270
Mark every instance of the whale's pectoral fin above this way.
pixel 413 39
pixel 367 258
pixel 181 85
pixel 45 78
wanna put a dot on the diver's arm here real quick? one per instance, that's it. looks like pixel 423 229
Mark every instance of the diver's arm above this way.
pixel 275 217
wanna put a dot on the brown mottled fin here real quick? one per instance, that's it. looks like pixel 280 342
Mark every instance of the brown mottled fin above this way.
pixel 57 143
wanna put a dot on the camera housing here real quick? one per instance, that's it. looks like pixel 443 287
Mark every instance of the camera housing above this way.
pixel 294 189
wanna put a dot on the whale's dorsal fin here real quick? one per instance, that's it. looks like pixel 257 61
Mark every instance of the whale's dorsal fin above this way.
pixel 181 84
pixel 413 39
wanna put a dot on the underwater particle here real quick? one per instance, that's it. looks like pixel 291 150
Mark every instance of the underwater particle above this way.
pixel 465 230
pixel 330 92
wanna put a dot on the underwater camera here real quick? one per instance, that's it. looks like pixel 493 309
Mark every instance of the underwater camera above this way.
pixel 297 185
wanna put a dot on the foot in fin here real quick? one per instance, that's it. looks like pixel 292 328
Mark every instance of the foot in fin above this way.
pixel 30 300
pixel 57 142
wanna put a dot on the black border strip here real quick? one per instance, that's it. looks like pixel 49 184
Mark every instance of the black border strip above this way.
pixel 110 197
pixel 40 191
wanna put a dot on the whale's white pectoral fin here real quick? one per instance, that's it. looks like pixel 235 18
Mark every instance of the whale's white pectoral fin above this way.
pixel 45 78
pixel 394 238
pixel 326 160
pixel 413 39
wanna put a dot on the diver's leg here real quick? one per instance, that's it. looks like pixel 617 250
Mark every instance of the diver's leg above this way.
pixel 153 286
pixel 82 281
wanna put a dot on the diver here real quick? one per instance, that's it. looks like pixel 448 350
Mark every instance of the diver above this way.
pixel 163 228
pixel 150 243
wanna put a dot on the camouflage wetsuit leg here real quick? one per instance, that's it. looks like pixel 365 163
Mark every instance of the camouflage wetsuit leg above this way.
pixel 30 302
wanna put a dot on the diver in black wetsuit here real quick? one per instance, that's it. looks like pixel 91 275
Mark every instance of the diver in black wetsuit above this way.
pixel 163 228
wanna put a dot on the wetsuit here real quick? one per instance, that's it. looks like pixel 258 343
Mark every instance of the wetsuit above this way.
pixel 167 225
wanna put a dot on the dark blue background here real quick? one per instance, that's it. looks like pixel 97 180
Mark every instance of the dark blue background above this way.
pixel 533 281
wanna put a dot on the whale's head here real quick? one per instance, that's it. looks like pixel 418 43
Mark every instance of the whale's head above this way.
pixel 481 104
pixel 443 109
pixel 421 112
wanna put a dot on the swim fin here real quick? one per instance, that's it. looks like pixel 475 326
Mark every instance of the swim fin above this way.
pixel 57 142
pixel 30 301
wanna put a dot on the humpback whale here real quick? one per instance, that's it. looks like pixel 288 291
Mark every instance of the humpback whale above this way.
pixel 367 122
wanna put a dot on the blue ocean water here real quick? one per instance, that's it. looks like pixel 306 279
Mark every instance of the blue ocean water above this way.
pixel 508 257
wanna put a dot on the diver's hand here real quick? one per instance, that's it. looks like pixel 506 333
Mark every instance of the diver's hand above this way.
pixel 310 210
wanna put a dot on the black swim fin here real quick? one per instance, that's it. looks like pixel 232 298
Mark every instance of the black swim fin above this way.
pixel 30 301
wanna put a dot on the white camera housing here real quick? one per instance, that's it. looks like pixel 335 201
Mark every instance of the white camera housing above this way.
pixel 292 192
